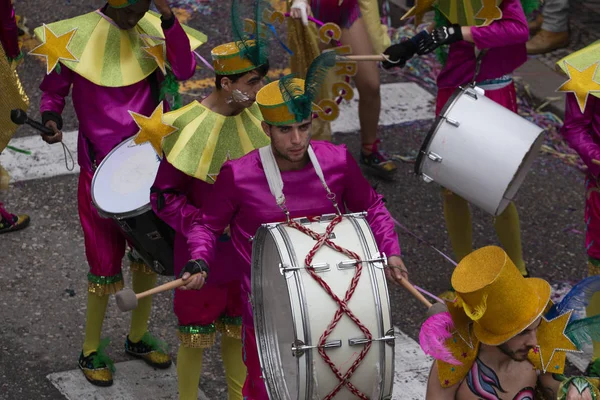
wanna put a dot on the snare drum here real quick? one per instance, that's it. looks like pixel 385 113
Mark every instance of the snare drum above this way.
pixel 292 311
pixel 121 191
pixel 479 150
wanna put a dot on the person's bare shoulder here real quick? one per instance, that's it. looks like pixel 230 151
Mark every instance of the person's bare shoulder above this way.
pixel 435 391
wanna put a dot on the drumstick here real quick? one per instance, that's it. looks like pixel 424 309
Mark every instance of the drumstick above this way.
pixel 127 300
pixel 597 162
pixel 408 286
pixel 372 57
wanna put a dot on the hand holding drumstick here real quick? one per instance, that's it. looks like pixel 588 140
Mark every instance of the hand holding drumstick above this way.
pixel 398 273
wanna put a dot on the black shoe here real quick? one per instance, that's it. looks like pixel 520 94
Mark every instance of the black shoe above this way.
pixel 151 350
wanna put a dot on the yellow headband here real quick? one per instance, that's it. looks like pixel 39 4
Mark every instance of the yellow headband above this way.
pixel 228 59
pixel 121 3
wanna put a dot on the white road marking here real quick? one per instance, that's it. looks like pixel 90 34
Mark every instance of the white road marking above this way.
pixel 401 102
pixel 133 380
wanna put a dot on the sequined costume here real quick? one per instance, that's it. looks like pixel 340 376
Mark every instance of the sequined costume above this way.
pixel 503 42
pixel 125 71
pixel 12 95
pixel 581 130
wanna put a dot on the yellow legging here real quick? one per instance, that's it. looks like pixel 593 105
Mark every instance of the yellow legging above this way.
pixel 96 308
pixel 189 368
pixel 460 229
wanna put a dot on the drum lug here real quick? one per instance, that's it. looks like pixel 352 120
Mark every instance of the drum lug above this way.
pixel 452 122
pixel 298 347
pixel 389 338
pixel 426 178
pixel 154 235
pixel 434 157
pixel 158 267
pixel 349 264
pixel 319 267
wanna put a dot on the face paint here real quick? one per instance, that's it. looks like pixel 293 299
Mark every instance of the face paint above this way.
pixel 239 96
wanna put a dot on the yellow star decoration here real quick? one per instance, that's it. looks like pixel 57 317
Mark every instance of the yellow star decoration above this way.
pixel 490 12
pixel 55 48
pixel 418 10
pixel 213 177
pixel 158 53
pixel 553 345
pixel 152 129
pixel 581 83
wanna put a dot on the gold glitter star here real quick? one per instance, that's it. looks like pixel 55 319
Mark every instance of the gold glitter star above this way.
pixel 581 83
pixel 213 177
pixel 158 53
pixel 553 345
pixel 55 48
pixel 152 129
pixel 490 12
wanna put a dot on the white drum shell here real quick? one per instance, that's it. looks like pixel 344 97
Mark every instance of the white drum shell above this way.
pixel 292 305
pixel 484 159
pixel 122 182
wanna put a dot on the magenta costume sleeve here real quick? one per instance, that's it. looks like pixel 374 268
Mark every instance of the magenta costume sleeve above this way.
pixel 169 198
pixel 504 40
pixel 359 196
pixel 9 32
pixel 582 130
pixel 104 119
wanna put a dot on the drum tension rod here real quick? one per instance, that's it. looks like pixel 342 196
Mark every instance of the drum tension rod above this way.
pixel 347 264
pixel 319 267
pixel 298 347
pixel 389 338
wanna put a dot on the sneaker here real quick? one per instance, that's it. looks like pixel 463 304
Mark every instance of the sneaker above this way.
pixel 17 223
pixel 377 163
pixel 97 367
pixel 151 350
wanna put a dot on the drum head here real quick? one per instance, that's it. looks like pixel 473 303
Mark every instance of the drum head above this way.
pixel 273 318
pixel 122 182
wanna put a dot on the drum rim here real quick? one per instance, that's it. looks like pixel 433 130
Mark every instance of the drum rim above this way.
pixel 105 214
pixel 434 128
pixel 258 316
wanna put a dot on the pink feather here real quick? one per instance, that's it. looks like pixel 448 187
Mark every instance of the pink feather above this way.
pixel 434 333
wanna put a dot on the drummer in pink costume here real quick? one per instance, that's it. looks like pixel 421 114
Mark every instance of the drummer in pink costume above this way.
pixel 242 199
pixel 104 91
pixel 179 192
pixel 502 50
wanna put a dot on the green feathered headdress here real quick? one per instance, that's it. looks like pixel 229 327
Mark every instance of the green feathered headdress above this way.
pixel 252 44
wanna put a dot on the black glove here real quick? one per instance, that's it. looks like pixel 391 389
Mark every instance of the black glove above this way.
pixel 399 54
pixel 438 37
pixel 195 266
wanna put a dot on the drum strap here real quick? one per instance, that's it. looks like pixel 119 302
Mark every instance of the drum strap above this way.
pixel 160 201
pixel 273 176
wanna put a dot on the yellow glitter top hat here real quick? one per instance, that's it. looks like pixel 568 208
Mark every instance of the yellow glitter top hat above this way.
pixel 583 69
pixel 274 108
pixel 229 58
pixel 121 3
pixel 496 297
pixel 290 99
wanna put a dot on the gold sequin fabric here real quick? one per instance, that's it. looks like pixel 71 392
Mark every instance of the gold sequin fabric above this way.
pixel 232 331
pixel 197 340
pixel 100 289
pixel 12 95
pixel 593 269
pixel 102 375
pixel 139 266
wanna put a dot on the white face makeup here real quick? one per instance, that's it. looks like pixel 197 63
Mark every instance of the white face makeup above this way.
pixel 239 97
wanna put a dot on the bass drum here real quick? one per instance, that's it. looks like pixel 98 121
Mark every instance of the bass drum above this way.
pixel 292 311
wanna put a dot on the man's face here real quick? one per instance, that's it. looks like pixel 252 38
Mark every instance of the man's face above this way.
pixel 518 347
pixel 128 17
pixel 290 142
pixel 243 91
